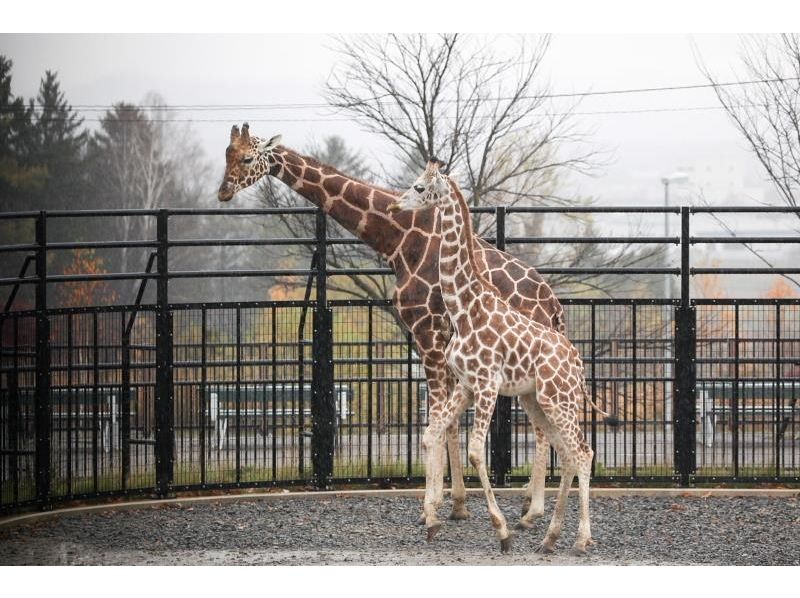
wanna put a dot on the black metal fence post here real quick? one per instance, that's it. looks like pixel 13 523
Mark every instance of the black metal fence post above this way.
pixel 42 401
pixel 500 429
pixel 323 413
pixel 165 445
pixel 685 371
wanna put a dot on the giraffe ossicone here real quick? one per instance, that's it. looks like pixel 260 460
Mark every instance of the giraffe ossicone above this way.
pixel 495 349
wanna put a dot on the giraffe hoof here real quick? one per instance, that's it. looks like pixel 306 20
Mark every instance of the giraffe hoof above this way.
pixel 522 524
pixel 545 548
pixel 433 530
pixel 578 551
pixel 459 514
pixel 526 505
pixel 421 520
pixel 505 545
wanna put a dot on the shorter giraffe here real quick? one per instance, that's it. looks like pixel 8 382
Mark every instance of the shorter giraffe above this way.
pixel 497 350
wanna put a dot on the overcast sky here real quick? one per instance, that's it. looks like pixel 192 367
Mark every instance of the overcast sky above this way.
pixel 271 68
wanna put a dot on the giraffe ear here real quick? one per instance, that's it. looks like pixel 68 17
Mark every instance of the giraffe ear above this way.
pixel 265 146
pixel 234 133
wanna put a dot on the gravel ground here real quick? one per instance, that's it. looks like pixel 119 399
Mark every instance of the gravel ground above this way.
pixel 381 531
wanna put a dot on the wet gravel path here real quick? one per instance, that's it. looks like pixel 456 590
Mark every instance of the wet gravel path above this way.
pixel 381 530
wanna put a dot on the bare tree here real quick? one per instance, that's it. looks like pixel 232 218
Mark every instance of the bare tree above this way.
pixel 485 113
pixel 767 112
pixel 481 111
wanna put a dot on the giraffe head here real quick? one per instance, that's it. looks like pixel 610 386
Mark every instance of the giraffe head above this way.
pixel 430 189
pixel 247 159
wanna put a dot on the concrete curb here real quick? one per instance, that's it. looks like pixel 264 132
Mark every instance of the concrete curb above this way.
pixel 415 493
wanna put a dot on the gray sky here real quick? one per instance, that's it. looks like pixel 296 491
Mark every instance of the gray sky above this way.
pixel 271 68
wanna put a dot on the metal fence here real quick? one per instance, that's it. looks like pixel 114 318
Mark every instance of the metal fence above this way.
pixel 159 397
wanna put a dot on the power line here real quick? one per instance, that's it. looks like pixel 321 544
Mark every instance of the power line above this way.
pixel 364 119
pixel 316 105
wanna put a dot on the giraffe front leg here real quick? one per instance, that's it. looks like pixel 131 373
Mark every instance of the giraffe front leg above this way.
pixel 433 444
pixel 440 386
pixel 484 406
pixel 461 398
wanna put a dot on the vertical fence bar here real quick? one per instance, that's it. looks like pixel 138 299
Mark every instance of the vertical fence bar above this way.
pixel 635 393
pixel 369 391
pixel 594 384
pixel 42 402
pixel 96 437
pixel 500 428
pixel 164 408
pixel 238 387
pixel 409 385
pixel 735 395
pixel 125 405
pixel 777 392
pixel 685 372
pixel 205 404
pixel 322 400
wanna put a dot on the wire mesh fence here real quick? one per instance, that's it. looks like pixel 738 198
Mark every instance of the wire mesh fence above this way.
pixel 155 397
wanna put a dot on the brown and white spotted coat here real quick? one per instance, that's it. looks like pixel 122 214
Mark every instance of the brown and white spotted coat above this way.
pixel 410 243
pixel 495 349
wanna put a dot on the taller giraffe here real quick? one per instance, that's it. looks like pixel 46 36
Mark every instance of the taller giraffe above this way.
pixel 410 244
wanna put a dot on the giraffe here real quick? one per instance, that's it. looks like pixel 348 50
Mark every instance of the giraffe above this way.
pixel 409 242
pixel 494 349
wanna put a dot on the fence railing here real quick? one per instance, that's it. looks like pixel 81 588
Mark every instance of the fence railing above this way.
pixel 157 397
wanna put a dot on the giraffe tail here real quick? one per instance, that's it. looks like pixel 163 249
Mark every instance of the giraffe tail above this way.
pixel 611 420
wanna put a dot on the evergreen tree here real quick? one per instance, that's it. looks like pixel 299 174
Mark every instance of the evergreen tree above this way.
pixel 60 143
pixel 19 173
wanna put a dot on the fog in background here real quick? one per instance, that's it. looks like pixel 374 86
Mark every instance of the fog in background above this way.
pixel 642 136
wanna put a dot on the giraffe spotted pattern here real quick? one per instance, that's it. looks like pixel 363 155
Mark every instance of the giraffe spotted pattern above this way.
pixel 495 349
pixel 409 241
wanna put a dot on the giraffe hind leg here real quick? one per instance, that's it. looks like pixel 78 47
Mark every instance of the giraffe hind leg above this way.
pixel 534 491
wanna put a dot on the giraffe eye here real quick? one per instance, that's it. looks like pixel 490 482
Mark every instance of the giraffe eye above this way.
pixel 247 159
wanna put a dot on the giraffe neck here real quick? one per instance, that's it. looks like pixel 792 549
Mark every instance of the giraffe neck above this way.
pixel 359 207
pixel 458 274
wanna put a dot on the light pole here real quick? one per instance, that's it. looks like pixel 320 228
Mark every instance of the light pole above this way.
pixel 676 177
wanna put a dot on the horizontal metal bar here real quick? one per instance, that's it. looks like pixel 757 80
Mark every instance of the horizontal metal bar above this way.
pixel 749 301
pixel 18 215
pixel 239 273
pixel 241 242
pixel 598 240
pixel 775 270
pixel 239 211
pixel 18 247
pixel 359 271
pixel 776 239
pixel 743 209
pixel 101 245
pixel 98 213
pixel 56 278
pixel 292 303
pixel 674 271
pixel 580 209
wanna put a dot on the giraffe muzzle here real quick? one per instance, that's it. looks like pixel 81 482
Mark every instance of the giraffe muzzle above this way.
pixel 226 192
